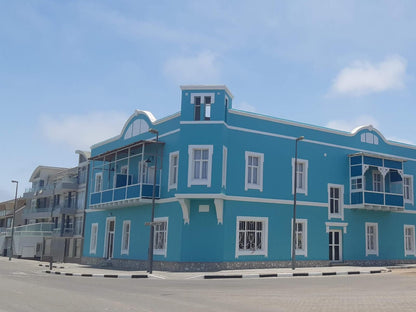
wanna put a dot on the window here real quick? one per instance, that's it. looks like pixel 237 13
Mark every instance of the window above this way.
pixel 207 102
pixel 377 181
pixel 125 239
pixel 336 200
pixel 78 226
pixel 371 242
pixel 251 237
pixel 408 189
pixel 302 176
pixel 197 111
pixel 301 232
pixel 224 166
pixel 200 163
pixel 369 138
pixel 254 171
pixel 93 239
pixel 160 238
pixel 98 182
pixel 409 240
pixel 146 172
pixel 173 170
pixel 356 183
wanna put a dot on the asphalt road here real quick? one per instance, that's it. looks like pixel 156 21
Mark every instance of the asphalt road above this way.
pixel 24 288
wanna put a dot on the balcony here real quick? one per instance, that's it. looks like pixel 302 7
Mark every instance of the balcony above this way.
pixel 36 229
pixel 125 195
pixel 125 176
pixel 37 213
pixel 376 183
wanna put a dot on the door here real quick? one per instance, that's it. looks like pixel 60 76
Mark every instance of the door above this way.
pixel 110 238
pixel 335 245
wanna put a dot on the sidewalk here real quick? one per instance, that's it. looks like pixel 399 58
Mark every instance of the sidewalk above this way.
pixel 72 269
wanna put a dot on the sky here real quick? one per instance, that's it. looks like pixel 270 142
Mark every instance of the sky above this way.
pixel 73 72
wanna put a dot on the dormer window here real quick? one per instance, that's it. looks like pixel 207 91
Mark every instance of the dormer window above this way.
pixel 197 108
pixel 369 138
pixel 207 102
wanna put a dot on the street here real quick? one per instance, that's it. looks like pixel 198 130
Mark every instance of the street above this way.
pixel 24 287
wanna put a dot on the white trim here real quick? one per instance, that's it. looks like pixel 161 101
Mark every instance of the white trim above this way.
pixel 164 251
pixel 322 129
pixel 224 166
pixel 202 122
pixel 411 200
pixel 100 188
pixel 125 251
pixel 375 250
pixel 200 181
pixel 303 190
pixel 206 87
pixel 259 185
pixel 93 239
pixel 330 225
pixel 339 215
pixel 413 251
pixel 202 96
pixel 174 185
pixel 264 250
pixel 304 250
pixel 107 221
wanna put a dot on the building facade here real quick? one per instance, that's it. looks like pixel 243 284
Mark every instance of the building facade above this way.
pixel 223 182
pixel 54 213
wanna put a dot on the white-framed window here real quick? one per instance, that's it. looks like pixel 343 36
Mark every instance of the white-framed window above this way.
pixel 207 102
pixel 409 240
pixel 125 238
pixel 251 236
pixel 224 166
pixel 200 165
pixel 371 239
pixel 408 189
pixel 335 201
pixel 302 176
pixel 301 237
pixel 197 108
pixel 377 181
pixel 254 171
pixel 93 238
pixel 370 138
pixel 173 170
pixel 160 238
pixel 98 182
pixel 146 173
pixel 356 183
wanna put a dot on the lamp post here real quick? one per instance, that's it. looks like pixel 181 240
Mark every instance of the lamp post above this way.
pixel 14 216
pixel 295 185
pixel 152 219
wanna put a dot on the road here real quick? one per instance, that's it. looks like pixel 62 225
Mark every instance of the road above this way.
pixel 23 287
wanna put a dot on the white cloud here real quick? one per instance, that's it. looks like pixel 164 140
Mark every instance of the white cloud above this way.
pixel 245 107
pixel 82 131
pixel 349 125
pixel 363 77
pixel 201 69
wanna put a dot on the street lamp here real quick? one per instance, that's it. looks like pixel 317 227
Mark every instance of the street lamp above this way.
pixel 152 219
pixel 295 185
pixel 14 216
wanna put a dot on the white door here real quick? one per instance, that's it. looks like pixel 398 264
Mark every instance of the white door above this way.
pixel 110 238
pixel 335 245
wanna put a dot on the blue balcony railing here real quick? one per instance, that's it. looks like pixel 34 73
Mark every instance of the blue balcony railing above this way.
pixel 136 191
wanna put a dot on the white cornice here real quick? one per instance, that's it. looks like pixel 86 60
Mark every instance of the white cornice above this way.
pixel 207 87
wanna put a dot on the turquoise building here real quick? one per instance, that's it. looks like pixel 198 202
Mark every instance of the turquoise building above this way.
pixel 224 189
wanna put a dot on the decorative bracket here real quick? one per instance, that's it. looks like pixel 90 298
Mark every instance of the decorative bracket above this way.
pixel 219 206
pixel 383 170
pixel 185 204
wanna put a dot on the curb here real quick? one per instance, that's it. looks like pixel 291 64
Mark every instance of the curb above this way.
pixel 300 274
pixel 98 275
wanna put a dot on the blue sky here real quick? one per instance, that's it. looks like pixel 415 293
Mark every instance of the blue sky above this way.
pixel 72 72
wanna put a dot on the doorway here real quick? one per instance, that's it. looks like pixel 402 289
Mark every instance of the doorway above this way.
pixel 335 245
pixel 111 222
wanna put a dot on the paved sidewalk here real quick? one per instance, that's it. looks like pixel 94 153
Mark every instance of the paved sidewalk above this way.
pixel 71 269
